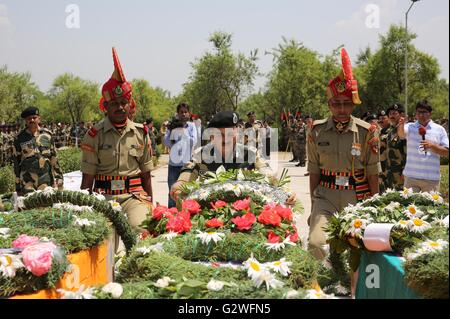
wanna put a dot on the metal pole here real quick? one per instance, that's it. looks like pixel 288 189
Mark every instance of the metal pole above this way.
pixel 406 58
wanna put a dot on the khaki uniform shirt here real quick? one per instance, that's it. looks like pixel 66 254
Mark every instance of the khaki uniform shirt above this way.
pixel 330 150
pixel 248 158
pixel 106 152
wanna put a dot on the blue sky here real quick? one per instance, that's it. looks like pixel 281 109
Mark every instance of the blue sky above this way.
pixel 157 40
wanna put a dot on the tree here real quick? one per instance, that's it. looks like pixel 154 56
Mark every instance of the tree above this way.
pixel 151 102
pixel 220 79
pixel 386 70
pixel 297 81
pixel 17 92
pixel 75 97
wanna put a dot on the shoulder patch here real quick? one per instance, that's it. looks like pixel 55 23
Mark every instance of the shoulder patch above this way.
pixel 92 132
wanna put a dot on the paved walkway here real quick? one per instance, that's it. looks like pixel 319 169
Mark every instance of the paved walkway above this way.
pixel 299 184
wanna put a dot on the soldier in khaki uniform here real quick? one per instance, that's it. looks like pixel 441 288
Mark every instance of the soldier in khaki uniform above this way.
pixel 224 152
pixel 116 157
pixel 343 158
pixel 252 130
pixel 383 122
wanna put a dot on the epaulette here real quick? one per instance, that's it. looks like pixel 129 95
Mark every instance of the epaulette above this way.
pixel 319 122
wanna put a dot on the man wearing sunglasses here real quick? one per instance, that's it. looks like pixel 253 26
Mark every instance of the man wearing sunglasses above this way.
pixel 343 157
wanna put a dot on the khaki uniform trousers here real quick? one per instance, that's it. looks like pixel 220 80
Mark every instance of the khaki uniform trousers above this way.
pixel 421 185
pixel 325 203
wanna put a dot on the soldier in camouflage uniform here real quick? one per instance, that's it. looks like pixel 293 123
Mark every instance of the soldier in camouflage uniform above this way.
pixel 300 142
pixel 383 122
pixel 395 150
pixel 35 162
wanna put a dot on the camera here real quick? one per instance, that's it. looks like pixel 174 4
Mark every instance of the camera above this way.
pixel 174 123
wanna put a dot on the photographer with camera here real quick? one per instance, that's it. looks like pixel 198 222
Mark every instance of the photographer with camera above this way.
pixel 180 138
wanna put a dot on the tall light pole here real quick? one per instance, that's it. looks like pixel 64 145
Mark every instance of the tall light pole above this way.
pixel 406 57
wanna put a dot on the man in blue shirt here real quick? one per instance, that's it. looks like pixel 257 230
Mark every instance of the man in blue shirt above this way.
pixel 426 142
pixel 180 138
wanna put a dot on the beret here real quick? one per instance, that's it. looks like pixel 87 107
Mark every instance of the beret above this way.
pixel 396 107
pixel 29 112
pixel 224 119
pixel 382 113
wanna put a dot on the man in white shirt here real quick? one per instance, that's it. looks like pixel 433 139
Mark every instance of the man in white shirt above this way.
pixel 426 143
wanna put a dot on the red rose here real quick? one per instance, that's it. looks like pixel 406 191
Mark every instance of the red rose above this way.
pixel 270 206
pixel 144 235
pixel 272 238
pixel 242 205
pixel 293 238
pixel 218 204
pixel 171 212
pixel 269 217
pixel 191 206
pixel 180 223
pixel 214 223
pixel 245 222
pixel 283 212
pixel 158 212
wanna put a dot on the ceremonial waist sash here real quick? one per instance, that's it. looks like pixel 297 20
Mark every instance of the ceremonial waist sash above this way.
pixel 117 185
pixel 345 181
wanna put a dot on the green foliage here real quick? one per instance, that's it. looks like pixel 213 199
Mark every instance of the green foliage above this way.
pixel 57 225
pixel 74 96
pixel 151 102
pixel 177 259
pixel 297 82
pixel 7 179
pixel 117 218
pixel 428 275
pixel 444 188
pixel 220 79
pixel 69 159
pixel 385 73
pixel 17 92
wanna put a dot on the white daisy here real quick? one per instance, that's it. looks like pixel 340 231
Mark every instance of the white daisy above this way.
pixel 84 192
pixel 254 267
pixel 81 222
pixel 416 254
pixel 357 226
pixel 389 191
pixel 215 285
pixel 407 193
pixel 436 198
pixel 392 206
pixel 418 225
pixel 204 194
pixel 143 250
pixel 413 212
pixel 114 289
pixel 19 204
pixel 169 236
pixel 48 191
pixel 268 278
pixel 434 245
pixel 81 293
pixel 4 233
pixel 9 264
pixel 443 222
pixel 98 196
pixel 115 205
pixel 402 224
pixel 281 266
pixel 164 282
pixel 206 237
pixel 318 294
pixel 292 294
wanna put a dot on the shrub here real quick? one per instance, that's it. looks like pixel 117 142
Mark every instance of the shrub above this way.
pixel 69 159
pixel 444 182
pixel 7 178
